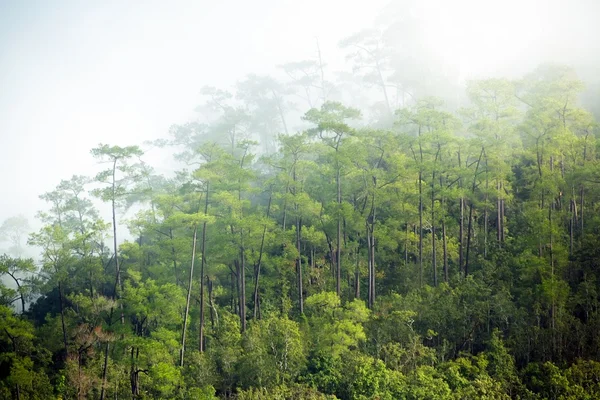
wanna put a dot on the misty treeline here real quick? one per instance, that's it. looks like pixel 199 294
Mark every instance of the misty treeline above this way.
pixel 396 246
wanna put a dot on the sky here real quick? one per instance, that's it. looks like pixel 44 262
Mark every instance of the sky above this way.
pixel 77 73
pixel 74 74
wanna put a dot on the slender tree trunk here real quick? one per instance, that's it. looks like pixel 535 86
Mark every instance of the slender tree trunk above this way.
pixel 234 290
pixel 420 229
pixel 433 233
pixel 553 306
pixel 445 246
pixel 187 303
pixel 242 282
pixel 287 188
pixel 338 260
pixel 371 244
pixel 210 303
pixel 133 375
pixel 107 347
pixel 572 221
pixel 470 226
pixel 485 212
pixel 203 271
pixel 461 234
pixel 174 255
pixel 502 208
pixel 499 215
pixel 444 238
pixel 406 246
pixel 581 203
pixel 368 232
pixel 357 274
pixel 14 348
pixel 62 318
pixel 469 234
pixel 114 223
pixel 104 371
pixel 420 209
pixel 259 262
pixel 299 266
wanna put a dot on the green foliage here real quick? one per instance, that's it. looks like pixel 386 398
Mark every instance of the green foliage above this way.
pixel 438 256
pixel 274 353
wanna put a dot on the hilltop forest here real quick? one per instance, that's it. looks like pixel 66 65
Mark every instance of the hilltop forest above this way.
pixel 397 245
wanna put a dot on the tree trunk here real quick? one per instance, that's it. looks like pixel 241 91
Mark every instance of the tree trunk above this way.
pixel 444 238
pixel 114 223
pixel 581 202
pixel 210 303
pixel 299 266
pixel 485 212
pixel 357 274
pixel 203 271
pixel 104 372
pixel 461 234
pixel 572 220
pixel 433 238
pixel 406 246
pixel 233 287
pixel 470 226
pixel 62 318
pixel 420 230
pixel 499 221
pixel 187 303
pixel 469 231
pixel 259 263
pixel 445 246
pixel 242 283
pixel 338 273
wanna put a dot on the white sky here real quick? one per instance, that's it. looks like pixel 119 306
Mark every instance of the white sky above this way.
pixel 76 73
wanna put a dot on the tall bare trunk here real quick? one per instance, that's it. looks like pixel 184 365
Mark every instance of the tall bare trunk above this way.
pixel 469 235
pixel 499 221
pixel 445 246
pixel 461 221
pixel 189 293
pixel 203 271
pixel 357 275
pixel 242 283
pixel 433 238
pixel 485 212
pixel 114 223
pixel 420 230
pixel 338 274
pixel 299 266
pixel 470 225
pixel 259 263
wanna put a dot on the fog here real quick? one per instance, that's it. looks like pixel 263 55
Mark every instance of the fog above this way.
pixel 74 74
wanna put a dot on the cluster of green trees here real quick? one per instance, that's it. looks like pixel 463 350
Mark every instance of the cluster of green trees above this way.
pixel 444 255
pixel 383 244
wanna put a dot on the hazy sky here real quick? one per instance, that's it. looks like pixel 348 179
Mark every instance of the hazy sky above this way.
pixel 76 73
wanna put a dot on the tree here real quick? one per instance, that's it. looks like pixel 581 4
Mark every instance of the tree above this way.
pixel 331 129
pixel 13 229
pixel 18 269
pixel 116 188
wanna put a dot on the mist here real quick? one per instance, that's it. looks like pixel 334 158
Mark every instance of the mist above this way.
pixel 75 74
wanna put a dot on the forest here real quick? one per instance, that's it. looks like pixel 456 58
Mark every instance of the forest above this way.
pixel 377 236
